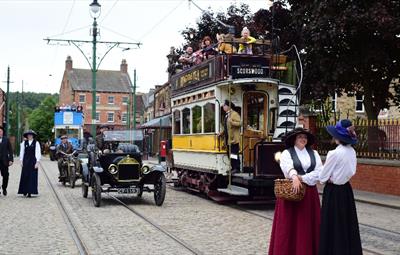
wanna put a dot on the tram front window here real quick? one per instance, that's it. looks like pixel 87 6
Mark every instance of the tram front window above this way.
pixel 209 118
pixel 255 112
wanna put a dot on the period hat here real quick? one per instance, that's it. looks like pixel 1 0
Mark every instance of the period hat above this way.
pixel 290 137
pixel 229 103
pixel 64 137
pixel 104 126
pixel 30 132
pixel 343 131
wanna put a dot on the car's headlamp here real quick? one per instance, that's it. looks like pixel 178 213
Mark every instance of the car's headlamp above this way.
pixel 145 169
pixel 113 169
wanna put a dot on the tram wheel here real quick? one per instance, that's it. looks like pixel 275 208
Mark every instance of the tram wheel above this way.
pixel 96 190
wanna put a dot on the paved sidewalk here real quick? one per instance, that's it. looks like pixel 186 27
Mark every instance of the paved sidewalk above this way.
pixel 32 225
pixel 385 200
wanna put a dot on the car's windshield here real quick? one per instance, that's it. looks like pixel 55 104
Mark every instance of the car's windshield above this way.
pixel 123 135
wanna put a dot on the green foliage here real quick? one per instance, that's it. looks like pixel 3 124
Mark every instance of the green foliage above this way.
pixel 41 119
pixel 239 16
pixel 350 46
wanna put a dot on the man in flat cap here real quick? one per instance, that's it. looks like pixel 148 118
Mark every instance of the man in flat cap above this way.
pixel 66 147
pixel 231 134
pixel 100 143
pixel 6 159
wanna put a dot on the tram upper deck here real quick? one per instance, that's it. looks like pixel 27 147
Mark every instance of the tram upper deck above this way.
pixel 262 64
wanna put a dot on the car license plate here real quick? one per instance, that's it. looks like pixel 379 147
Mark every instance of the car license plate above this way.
pixel 126 190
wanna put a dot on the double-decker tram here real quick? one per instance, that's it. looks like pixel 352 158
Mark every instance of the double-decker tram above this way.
pixel 262 88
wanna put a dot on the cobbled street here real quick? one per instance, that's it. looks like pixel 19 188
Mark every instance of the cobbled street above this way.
pixel 37 225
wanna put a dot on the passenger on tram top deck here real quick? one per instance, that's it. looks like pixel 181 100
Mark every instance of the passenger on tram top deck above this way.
pixel 246 47
pixel 225 47
pixel 188 58
pixel 208 48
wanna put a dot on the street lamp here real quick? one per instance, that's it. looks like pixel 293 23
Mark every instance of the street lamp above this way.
pixel 95 9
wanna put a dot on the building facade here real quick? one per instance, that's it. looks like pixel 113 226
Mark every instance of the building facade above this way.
pixel 114 104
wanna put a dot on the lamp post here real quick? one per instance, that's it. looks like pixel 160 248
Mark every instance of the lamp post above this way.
pixel 95 9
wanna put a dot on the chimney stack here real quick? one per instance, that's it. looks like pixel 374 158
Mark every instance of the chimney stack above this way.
pixel 68 63
pixel 124 66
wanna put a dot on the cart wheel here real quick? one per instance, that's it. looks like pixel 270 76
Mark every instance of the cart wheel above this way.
pixel 85 190
pixel 72 176
pixel 96 190
pixel 159 189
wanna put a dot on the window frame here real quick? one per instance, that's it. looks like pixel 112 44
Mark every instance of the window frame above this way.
pixel 84 98
pixel 113 117
pixel 113 99
pixel 358 101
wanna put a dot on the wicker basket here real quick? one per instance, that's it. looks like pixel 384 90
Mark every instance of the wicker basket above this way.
pixel 283 190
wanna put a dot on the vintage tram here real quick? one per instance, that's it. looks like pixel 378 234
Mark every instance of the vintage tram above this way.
pixel 262 86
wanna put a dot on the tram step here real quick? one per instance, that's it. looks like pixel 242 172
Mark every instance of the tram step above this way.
pixel 235 191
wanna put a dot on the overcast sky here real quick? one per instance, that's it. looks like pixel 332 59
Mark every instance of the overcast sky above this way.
pixel 156 24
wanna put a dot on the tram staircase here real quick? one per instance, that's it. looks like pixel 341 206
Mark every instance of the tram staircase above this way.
pixel 287 111
pixel 287 119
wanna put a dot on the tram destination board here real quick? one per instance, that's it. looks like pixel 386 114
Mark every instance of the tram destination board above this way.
pixel 249 67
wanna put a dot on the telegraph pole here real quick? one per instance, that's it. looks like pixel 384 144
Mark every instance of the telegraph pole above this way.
pixel 134 99
pixel 95 9
pixel 7 127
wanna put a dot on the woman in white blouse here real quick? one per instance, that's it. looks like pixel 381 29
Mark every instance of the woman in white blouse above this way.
pixel 30 156
pixel 339 224
pixel 295 230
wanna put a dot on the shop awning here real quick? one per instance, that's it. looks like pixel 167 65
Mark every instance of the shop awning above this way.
pixel 160 122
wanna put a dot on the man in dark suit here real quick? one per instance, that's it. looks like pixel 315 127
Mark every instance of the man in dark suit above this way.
pixel 6 159
pixel 66 147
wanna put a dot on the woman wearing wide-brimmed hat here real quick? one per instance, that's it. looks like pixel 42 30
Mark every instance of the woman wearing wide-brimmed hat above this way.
pixel 30 156
pixel 339 224
pixel 295 230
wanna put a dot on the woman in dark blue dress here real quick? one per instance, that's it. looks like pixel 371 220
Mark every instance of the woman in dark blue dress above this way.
pixel 29 156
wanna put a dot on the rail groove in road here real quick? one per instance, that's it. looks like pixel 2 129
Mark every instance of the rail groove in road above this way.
pixel 166 232
pixel 67 219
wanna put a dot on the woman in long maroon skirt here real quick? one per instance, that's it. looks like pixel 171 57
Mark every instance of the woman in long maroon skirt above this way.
pixel 295 230
pixel 340 234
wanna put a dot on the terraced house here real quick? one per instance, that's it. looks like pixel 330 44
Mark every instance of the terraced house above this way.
pixel 113 95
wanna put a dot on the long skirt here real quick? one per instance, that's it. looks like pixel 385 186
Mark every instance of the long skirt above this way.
pixel 295 230
pixel 28 183
pixel 339 224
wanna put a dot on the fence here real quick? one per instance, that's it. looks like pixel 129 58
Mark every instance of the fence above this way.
pixel 377 139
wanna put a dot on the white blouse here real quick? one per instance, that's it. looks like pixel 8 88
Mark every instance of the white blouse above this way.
pixel 340 165
pixel 38 153
pixel 288 170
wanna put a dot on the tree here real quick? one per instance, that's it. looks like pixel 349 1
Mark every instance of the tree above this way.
pixel 42 119
pixel 352 47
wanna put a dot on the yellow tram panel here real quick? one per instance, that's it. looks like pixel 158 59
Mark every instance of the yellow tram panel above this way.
pixel 198 142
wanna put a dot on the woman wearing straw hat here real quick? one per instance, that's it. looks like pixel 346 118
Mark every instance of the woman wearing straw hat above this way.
pixel 295 230
pixel 29 156
pixel 339 224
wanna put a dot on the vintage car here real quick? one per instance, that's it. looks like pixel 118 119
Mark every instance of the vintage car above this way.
pixel 119 168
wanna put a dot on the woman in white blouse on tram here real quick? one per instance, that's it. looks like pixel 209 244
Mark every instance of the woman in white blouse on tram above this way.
pixel 339 224
pixel 295 230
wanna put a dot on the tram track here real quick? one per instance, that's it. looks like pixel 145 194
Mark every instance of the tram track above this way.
pixel 158 227
pixel 370 229
pixel 80 245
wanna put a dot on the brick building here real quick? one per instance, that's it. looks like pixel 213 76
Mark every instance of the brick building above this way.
pixel 113 94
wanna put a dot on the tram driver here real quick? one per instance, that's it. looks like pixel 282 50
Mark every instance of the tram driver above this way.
pixel 231 133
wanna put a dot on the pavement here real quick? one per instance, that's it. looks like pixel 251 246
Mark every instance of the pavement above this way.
pixel 390 201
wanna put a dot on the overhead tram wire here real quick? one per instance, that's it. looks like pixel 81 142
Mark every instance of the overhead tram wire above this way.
pixel 108 13
pixel 161 20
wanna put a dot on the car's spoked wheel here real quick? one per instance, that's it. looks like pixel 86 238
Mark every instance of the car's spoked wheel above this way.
pixel 72 176
pixel 140 192
pixel 160 189
pixel 96 190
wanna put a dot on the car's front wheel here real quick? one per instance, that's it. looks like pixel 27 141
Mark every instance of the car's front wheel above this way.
pixel 160 189
pixel 96 190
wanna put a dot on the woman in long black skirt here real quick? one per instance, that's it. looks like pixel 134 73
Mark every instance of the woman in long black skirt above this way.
pixel 339 232
pixel 29 156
